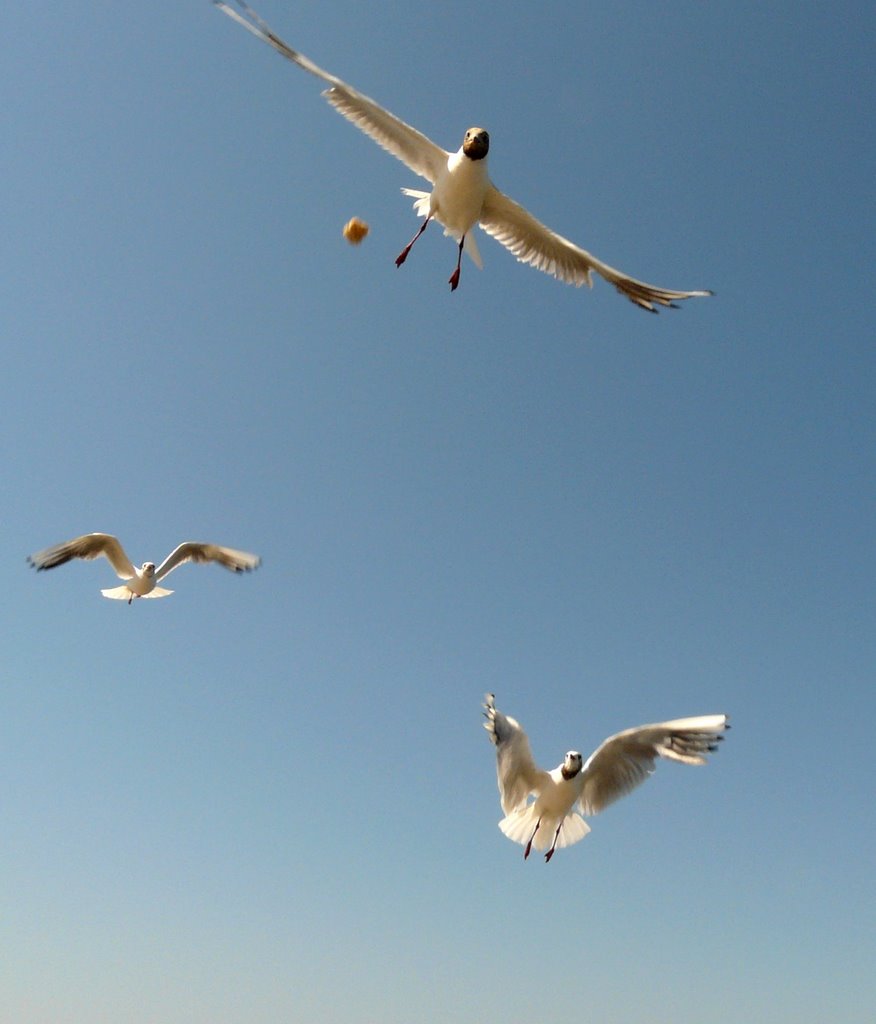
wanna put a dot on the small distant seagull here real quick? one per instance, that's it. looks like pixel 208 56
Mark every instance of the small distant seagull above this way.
pixel 140 582
pixel 462 193
pixel 620 764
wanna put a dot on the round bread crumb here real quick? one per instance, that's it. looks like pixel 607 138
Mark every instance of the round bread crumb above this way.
pixel 355 230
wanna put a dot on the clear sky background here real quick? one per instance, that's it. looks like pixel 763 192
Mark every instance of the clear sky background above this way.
pixel 269 798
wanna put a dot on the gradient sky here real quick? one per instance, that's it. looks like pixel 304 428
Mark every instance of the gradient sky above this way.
pixel 269 798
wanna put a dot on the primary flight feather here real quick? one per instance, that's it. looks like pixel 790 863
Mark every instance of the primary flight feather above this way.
pixel 462 194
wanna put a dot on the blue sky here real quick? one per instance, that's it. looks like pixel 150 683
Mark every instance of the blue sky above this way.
pixel 269 798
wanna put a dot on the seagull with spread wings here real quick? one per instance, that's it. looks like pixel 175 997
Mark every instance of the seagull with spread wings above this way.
pixel 140 582
pixel 577 787
pixel 462 194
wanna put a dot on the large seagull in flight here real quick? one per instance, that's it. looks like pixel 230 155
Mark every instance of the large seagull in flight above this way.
pixel 140 582
pixel 618 765
pixel 462 194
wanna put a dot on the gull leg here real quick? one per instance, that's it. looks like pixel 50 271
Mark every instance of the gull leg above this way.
pixel 454 277
pixel 552 850
pixel 403 255
pixel 526 852
pixel 131 598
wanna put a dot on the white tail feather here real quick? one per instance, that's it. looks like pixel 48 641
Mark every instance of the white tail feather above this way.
pixel 471 247
pixel 520 825
pixel 421 206
pixel 123 594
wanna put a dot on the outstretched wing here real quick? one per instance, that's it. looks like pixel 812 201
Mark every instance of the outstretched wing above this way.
pixel 517 772
pixel 89 545
pixel 624 761
pixel 404 142
pixel 192 551
pixel 531 242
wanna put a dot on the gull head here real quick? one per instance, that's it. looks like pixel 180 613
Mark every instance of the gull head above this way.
pixel 148 570
pixel 476 143
pixel 571 764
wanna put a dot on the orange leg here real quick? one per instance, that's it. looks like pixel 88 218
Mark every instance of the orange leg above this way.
pixel 552 850
pixel 403 255
pixel 528 849
pixel 454 277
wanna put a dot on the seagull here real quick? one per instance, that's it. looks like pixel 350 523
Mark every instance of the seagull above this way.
pixel 140 582
pixel 462 194
pixel 617 766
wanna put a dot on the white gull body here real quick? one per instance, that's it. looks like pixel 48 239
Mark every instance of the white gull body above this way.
pixel 553 819
pixel 462 194
pixel 142 582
